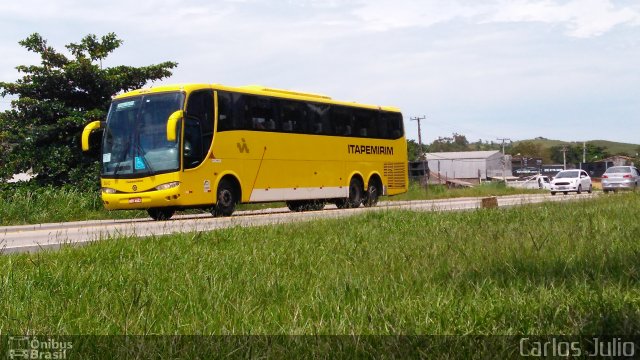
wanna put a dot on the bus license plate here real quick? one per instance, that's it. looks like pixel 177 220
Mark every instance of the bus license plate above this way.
pixel 135 200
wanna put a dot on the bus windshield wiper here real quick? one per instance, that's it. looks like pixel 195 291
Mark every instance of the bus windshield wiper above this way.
pixel 141 152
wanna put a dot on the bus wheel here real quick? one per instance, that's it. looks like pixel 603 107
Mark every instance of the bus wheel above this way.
pixel 226 203
pixel 314 205
pixel 305 205
pixel 294 205
pixel 160 214
pixel 355 195
pixel 373 193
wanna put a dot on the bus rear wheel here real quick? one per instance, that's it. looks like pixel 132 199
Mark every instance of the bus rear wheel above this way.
pixel 227 199
pixel 356 190
pixel 161 214
pixel 373 193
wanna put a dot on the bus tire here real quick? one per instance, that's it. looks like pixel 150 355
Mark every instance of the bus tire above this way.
pixel 314 205
pixel 227 198
pixel 161 214
pixel 305 205
pixel 356 190
pixel 373 193
pixel 294 205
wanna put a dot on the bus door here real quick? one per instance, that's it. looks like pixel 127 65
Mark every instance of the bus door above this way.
pixel 197 176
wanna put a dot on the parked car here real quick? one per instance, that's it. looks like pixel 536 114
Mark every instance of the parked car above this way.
pixel 620 178
pixel 571 180
pixel 531 182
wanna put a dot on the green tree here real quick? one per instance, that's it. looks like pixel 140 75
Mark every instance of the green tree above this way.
pixel 413 150
pixel 574 153
pixel 55 100
pixel 456 142
pixel 527 148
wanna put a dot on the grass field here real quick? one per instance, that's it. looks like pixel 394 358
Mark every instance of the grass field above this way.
pixel 417 192
pixel 557 268
pixel 28 206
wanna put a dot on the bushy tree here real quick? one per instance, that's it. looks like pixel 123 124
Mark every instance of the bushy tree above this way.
pixel 55 100
pixel 485 145
pixel 575 151
pixel 413 150
pixel 456 142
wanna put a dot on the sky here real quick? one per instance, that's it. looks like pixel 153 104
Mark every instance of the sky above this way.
pixel 520 69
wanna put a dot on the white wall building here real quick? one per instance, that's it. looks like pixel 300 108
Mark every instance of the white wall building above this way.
pixel 469 165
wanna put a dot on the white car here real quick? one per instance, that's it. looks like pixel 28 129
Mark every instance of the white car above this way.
pixel 571 180
pixel 620 178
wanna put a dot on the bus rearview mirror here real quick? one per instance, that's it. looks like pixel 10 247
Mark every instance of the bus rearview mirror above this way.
pixel 172 123
pixel 87 132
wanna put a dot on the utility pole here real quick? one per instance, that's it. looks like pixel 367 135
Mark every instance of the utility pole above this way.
pixel 422 158
pixel 504 160
pixel 504 140
pixel 564 157
pixel 418 119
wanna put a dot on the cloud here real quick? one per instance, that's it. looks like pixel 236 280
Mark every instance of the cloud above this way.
pixel 467 64
pixel 581 18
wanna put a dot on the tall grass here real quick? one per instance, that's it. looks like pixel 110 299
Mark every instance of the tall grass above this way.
pixel 24 205
pixel 557 268
pixel 32 205
pixel 418 192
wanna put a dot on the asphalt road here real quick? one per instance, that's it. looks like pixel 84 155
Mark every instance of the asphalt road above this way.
pixel 31 238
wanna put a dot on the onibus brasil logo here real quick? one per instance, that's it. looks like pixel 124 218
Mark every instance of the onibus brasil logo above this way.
pixel 33 347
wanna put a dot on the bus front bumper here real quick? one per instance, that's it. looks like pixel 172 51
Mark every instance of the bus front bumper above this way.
pixel 142 200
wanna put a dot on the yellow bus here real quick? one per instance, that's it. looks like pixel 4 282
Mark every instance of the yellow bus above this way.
pixel 210 146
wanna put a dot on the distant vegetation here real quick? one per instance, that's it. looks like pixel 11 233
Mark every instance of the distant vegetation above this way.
pixel 548 150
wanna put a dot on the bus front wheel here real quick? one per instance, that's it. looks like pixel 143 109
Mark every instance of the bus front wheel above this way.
pixel 356 190
pixel 227 199
pixel 160 214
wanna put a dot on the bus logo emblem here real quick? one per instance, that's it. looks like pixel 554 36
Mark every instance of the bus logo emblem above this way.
pixel 243 147
pixel 135 188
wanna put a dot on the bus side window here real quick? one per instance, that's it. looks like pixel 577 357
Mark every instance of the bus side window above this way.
pixel 261 113
pixel 382 125
pixel 231 110
pixel 239 108
pixel 317 119
pixel 341 121
pixel 292 114
pixel 365 122
pixel 394 125
pixel 225 120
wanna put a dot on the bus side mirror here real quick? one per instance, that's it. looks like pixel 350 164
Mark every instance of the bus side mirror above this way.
pixel 87 131
pixel 172 123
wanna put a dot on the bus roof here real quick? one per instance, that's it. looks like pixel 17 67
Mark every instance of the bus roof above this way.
pixel 255 90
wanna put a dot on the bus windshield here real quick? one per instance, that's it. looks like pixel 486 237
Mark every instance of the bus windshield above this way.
pixel 135 141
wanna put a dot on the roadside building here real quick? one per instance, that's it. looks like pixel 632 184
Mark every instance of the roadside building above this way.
pixel 618 160
pixel 469 166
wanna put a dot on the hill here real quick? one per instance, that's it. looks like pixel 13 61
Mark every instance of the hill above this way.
pixel 612 147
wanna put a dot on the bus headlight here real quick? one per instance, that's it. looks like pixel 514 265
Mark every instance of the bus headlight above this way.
pixel 168 185
pixel 107 190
